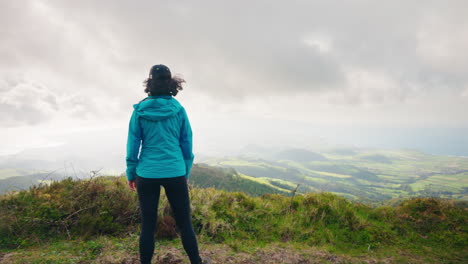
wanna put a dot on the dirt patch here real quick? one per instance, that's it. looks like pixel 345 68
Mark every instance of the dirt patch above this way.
pixel 224 254
pixel 170 256
pixel 280 255
pixel 6 257
pixel 131 260
pixel 276 254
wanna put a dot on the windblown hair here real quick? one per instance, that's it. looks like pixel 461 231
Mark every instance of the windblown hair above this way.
pixel 166 86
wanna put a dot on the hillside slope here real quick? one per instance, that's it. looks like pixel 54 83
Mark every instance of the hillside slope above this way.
pixel 228 179
pixel 202 176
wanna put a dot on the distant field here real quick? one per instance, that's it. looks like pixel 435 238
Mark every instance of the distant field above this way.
pixel 360 173
pixel 5 173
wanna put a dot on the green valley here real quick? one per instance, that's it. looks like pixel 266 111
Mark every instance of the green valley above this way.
pixel 359 174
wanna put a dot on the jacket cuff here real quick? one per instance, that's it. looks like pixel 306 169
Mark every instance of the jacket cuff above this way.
pixel 131 175
pixel 188 167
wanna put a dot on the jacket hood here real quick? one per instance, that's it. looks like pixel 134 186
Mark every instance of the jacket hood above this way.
pixel 157 108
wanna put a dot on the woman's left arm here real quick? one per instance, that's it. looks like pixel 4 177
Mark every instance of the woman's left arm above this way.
pixel 133 146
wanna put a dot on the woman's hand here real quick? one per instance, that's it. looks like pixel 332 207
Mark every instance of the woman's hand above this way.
pixel 132 185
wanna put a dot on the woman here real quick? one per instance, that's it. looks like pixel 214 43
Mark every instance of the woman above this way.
pixel 160 125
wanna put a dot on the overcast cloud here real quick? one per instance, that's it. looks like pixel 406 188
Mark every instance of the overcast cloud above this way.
pixel 67 65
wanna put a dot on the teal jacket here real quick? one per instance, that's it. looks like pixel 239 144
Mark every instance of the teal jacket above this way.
pixel 159 124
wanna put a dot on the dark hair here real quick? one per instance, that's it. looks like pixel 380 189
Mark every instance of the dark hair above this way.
pixel 164 86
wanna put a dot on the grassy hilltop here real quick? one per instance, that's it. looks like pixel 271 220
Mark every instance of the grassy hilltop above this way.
pixel 96 221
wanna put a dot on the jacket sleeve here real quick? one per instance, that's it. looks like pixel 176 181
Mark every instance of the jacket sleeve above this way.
pixel 133 146
pixel 186 142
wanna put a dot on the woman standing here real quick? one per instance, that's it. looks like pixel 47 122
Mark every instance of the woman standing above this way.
pixel 159 124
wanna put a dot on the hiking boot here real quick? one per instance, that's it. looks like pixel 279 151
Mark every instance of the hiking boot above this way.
pixel 206 260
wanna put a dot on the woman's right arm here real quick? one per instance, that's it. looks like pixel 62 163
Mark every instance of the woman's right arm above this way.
pixel 186 142
pixel 133 146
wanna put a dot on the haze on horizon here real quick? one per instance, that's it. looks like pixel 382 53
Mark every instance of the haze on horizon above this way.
pixel 390 74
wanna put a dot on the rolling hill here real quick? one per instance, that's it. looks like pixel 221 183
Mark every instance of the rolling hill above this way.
pixel 367 175
pixel 360 174
pixel 202 176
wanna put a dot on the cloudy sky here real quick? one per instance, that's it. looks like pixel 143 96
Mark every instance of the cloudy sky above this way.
pixel 366 73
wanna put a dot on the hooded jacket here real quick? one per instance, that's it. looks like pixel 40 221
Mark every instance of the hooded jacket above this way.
pixel 159 124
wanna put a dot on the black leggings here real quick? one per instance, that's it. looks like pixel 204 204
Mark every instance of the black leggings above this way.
pixel 176 188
